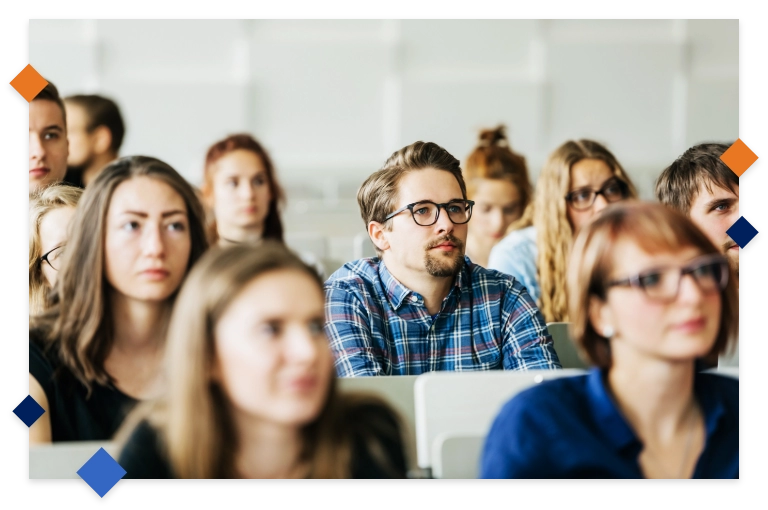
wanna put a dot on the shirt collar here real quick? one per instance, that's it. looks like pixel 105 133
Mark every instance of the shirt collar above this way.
pixel 397 293
pixel 615 428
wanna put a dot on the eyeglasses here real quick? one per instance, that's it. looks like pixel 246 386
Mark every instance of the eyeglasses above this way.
pixel 426 213
pixel 613 191
pixel 710 272
pixel 53 257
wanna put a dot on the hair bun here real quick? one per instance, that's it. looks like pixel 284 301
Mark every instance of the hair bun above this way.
pixel 491 137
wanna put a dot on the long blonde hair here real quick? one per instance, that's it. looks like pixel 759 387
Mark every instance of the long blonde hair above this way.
pixel 193 418
pixel 41 203
pixel 554 233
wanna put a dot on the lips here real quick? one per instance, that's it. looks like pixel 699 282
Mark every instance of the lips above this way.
pixel 39 171
pixel 303 384
pixel 155 274
pixel 692 325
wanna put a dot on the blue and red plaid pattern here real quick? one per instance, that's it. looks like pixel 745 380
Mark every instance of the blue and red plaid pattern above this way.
pixel 377 326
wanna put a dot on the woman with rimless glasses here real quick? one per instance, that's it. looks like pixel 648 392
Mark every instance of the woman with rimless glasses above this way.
pixel 649 295
pixel 578 181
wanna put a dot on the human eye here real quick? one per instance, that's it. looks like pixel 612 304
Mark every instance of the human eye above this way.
pixel 650 279
pixel 581 195
pixel 231 182
pixel 259 180
pixel 316 327
pixel 704 271
pixel 421 210
pixel 721 207
pixel 130 226
pixel 177 226
pixel 455 208
pixel 270 329
pixel 51 136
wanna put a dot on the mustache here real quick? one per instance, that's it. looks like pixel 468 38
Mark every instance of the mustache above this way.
pixel 729 244
pixel 446 238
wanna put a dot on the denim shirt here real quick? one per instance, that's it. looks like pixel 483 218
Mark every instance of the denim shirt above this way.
pixel 516 255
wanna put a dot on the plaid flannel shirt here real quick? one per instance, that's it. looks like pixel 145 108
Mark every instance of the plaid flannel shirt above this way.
pixel 377 326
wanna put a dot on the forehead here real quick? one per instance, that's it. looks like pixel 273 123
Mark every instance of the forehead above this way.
pixel 590 172
pixel 495 191
pixel 145 194
pixel 44 113
pixel 428 184
pixel 241 162
pixel 709 190
pixel 53 226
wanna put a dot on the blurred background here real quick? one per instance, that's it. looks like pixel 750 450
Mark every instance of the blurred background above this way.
pixel 332 99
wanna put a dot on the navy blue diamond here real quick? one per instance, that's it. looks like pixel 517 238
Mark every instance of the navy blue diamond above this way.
pixel 741 232
pixel 101 472
pixel 29 411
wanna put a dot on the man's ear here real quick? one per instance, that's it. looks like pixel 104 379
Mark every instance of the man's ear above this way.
pixel 102 139
pixel 378 235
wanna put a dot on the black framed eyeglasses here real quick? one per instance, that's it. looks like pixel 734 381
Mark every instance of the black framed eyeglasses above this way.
pixel 710 272
pixel 426 212
pixel 614 190
pixel 53 257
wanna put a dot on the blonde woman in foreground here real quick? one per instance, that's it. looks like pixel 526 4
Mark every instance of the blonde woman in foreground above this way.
pixel 50 211
pixel 251 389
pixel 649 295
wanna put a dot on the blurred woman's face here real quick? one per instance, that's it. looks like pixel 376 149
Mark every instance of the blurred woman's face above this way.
pixel 53 235
pixel 273 359
pixel 497 205
pixel 147 242
pixel 681 328
pixel 588 174
pixel 241 191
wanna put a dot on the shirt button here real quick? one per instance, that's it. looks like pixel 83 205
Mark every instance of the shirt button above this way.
pixel 414 299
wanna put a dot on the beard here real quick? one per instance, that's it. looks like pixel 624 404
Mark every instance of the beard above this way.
pixel 732 255
pixel 442 265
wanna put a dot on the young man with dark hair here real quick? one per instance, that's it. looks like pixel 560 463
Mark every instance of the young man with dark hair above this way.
pixel 96 132
pixel 701 186
pixel 47 139
pixel 421 305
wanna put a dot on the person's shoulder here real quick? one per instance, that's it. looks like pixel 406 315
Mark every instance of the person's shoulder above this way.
pixel 517 238
pixel 357 273
pixel 722 387
pixel 142 454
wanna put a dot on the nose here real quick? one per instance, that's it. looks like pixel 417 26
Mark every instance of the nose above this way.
pixel 496 220
pixel 303 347
pixel 444 223
pixel 689 291
pixel 153 243
pixel 36 150
pixel 245 190
pixel 600 204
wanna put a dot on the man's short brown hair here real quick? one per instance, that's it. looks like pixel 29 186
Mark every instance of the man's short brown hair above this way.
pixel 378 194
pixel 101 111
pixel 679 183
pixel 51 93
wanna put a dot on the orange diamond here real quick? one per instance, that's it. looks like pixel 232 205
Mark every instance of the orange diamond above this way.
pixel 738 157
pixel 28 83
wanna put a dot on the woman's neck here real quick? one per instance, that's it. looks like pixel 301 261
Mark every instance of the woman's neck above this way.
pixel 267 450
pixel 138 325
pixel 656 396
pixel 229 234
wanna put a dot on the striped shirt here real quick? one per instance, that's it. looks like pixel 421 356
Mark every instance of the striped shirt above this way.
pixel 377 326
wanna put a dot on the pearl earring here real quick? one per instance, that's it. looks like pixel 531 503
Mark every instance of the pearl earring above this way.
pixel 608 332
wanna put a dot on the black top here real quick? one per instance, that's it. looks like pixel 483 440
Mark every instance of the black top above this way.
pixel 75 416
pixel 143 454
pixel 74 178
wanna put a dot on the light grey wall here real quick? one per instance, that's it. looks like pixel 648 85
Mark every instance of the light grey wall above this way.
pixel 331 99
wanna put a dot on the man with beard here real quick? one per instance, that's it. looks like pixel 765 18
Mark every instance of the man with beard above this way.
pixel 701 186
pixel 421 305
pixel 96 132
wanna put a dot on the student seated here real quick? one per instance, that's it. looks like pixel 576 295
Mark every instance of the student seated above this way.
pixel 50 212
pixel 135 234
pixel 251 390
pixel 579 180
pixel 649 295
pixel 497 181
pixel 421 305
pixel 47 139
pixel 243 196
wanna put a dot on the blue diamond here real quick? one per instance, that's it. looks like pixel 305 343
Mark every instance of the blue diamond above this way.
pixel 101 472
pixel 29 411
pixel 741 232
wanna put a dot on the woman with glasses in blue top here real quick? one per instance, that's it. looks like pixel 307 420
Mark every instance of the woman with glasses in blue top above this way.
pixel 649 295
